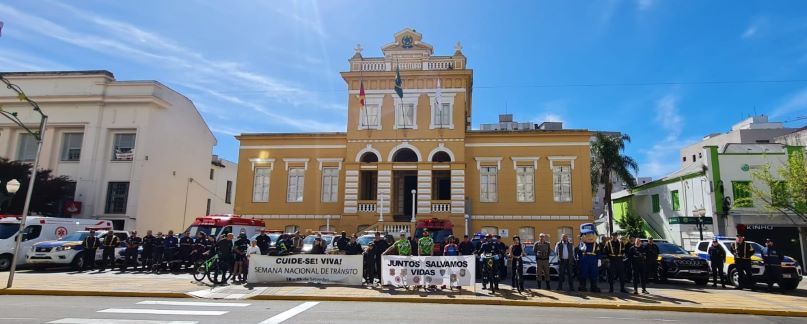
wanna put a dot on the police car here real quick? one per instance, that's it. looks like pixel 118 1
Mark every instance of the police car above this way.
pixel 68 250
pixel 791 269
pixel 530 264
pixel 676 263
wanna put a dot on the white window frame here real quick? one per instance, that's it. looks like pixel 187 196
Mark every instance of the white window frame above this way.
pixel 291 228
pixel 64 154
pixel 115 146
pixel 486 194
pixel 522 233
pixel 565 230
pixel 493 230
pixel 558 194
pixel 28 141
pixel 399 104
pixel 295 187
pixel 525 184
pixel 372 103
pixel 260 184
pixel 448 100
pixel 330 184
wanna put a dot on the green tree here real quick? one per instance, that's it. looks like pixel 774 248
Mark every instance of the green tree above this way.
pixel 631 225
pixel 608 164
pixel 48 190
pixel 785 194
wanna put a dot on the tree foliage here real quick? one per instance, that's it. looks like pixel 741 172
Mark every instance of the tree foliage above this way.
pixel 786 193
pixel 631 225
pixel 608 163
pixel 48 190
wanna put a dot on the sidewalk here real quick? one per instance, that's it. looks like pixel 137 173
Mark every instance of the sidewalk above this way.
pixel 673 297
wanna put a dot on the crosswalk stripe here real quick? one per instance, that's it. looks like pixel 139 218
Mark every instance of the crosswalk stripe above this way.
pixel 162 311
pixel 114 321
pixel 279 318
pixel 199 304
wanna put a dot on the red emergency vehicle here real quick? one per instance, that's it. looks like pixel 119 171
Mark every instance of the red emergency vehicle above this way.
pixel 439 230
pixel 221 224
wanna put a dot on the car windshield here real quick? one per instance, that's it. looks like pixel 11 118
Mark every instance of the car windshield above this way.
pixel 667 248
pixel 364 241
pixel 7 230
pixel 75 236
pixel 208 230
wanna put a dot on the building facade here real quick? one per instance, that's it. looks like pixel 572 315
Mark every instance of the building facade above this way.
pixel 221 186
pixel 715 192
pixel 137 151
pixel 416 157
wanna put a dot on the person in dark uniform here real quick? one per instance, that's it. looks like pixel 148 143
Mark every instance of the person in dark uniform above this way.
pixel 773 264
pixel 651 258
pixel 368 258
pixel 185 248
pixel 148 250
pixel 353 247
pixel 516 254
pixel 90 246
pixel 615 251
pixel 109 244
pixel 240 254
pixel 198 248
pixel 627 242
pixel 637 254
pixel 263 242
pixel 224 248
pixel 466 247
pixel 743 251
pixel 491 246
pixel 603 269
pixel 158 249
pixel 381 245
pixel 717 258
pixel 171 245
pixel 341 243
pixel 502 265
pixel 132 245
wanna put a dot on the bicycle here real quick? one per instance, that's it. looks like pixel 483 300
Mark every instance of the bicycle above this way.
pixel 517 275
pixel 213 269
pixel 490 271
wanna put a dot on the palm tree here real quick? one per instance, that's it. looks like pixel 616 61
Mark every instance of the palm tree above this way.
pixel 607 164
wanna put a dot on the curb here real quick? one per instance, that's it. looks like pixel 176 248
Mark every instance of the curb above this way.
pixel 47 292
pixel 500 302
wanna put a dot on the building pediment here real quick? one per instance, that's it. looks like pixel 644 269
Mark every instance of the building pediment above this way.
pixel 408 42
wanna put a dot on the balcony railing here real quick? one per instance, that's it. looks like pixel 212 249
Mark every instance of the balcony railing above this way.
pixel 367 206
pixel 390 228
pixel 380 64
pixel 441 206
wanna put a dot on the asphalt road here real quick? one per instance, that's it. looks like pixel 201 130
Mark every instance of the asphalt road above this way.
pixel 115 310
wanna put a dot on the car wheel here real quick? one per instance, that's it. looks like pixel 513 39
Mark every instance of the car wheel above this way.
pixel 789 285
pixel 5 262
pixel 701 282
pixel 734 277
pixel 78 262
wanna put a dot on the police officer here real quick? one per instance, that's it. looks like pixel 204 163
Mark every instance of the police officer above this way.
pixel 542 249
pixel 637 254
pixel 90 246
pixel 717 258
pixel 185 248
pixel 773 264
pixel 743 251
pixel 353 247
pixel 651 259
pixel 605 263
pixel 341 243
pixel 148 250
pixel 158 249
pixel 615 251
pixel 171 244
pixel 491 246
pixel 263 242
pixel 224 247
pixel 109 244
pixel 132 244
pixel 381 245
pixel 503 248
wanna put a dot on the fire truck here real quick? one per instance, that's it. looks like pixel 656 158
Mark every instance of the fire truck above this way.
pixel 439 230
pixel 220 224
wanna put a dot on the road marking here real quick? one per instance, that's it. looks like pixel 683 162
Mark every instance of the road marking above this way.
pixel 279 318
pixel 114 321
pixel 199 304
pixel 162 311
pixel 638 319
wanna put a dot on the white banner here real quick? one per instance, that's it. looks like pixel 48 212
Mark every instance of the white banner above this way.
pixel 450 271
pixel 328 269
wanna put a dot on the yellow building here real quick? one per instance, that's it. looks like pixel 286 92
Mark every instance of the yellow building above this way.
pixel 506 182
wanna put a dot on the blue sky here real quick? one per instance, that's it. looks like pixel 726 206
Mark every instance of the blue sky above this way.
pixel 273 66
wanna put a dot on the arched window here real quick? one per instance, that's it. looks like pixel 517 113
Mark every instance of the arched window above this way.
pixel 441 157
pixel 369 157
pixel 527 233
pixel 405 155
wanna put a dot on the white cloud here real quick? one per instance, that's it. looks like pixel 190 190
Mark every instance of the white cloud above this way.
pixel 645 4
pixel 552 111
pixel 794 103
pixel 750 32
pixel 662 157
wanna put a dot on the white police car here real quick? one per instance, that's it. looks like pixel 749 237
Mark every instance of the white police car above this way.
pixel 791 269
pixel 69 251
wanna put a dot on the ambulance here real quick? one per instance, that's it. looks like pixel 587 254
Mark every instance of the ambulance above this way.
pixel 37 229
pixel 221 224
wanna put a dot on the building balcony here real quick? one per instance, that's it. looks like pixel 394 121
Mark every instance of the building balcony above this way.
pixel 366 206
pixel 441 206
pixel 434 63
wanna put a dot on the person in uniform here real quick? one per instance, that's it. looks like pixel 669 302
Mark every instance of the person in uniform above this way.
pixel 400 247
pixel 224 247
pixel 651 257
pixel 565 252
pixel 381 245
pixel 426 245
pixel 773 264
pixel 353 247
pixel 517 264
pixel 263 242
pixel 588 255
pixel 542 249
pixel 170 244
pixel 341 243
pixel 148 251
pixel 743 251
pixel 637 254
pixel 132 245
pixel 604 266
pixel 90 246
pixel 491 247
pixel 158 249
pixel 615 251
pixel 185 248
pixel 717 258
pixel 502 265
pixel 109 244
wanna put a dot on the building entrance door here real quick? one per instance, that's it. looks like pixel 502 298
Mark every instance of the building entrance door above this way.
pixel 403 183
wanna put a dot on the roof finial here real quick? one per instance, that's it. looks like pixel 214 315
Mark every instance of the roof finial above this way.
pixel 358 48
pixel 458 47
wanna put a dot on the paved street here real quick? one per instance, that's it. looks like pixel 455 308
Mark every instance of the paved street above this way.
pixel 66 310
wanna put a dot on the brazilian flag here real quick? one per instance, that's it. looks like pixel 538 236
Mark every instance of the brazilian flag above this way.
pixel 398 82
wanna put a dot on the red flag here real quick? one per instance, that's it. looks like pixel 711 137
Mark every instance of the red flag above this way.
pixel 361 93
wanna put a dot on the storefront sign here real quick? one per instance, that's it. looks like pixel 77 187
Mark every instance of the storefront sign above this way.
pixel 690 220
pixel 329 269
pixel 450 271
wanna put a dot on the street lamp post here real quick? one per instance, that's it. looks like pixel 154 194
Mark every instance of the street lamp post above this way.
pixel 43 122
pixel 414 204
pixel 12 186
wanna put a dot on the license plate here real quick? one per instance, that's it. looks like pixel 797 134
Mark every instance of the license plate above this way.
pixel 787 275
pixel 39 255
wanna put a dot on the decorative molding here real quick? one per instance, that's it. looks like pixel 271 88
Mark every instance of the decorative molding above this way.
pixel 410 140
pixel 447 98
pixel 408 90
pixel 293 216
pixel 404 144
pixel 480 160
pixel 533 159
pixel 368 148
pixel 552 159
pixel 301 146
pixel 529 217
pixel 288 161
pixel 527 144
pixel 441 148
pixel 270 162
pixel 377 101
pixel 330 160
